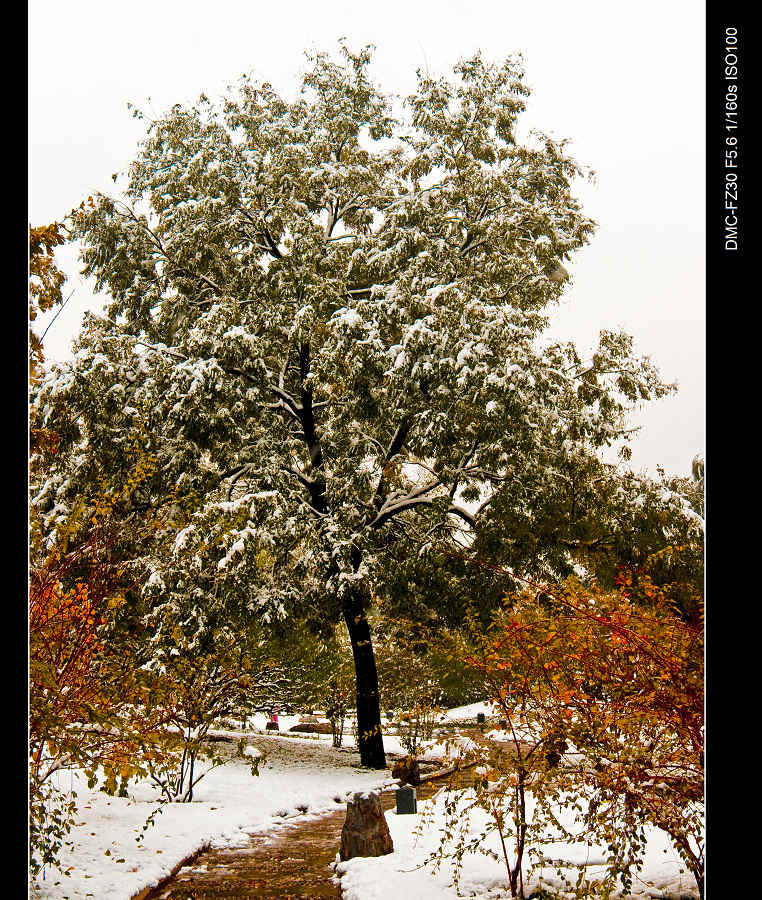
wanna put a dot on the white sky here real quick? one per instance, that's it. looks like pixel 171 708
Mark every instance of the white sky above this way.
pixel 624 82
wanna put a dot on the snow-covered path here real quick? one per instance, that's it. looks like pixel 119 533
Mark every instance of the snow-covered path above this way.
pixel 293 862
pixel 299 780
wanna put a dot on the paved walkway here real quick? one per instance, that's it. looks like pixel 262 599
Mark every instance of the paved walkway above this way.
pixel 292 863
pixel 288 863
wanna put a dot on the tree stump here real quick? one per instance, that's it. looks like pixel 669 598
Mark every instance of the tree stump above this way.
pixel 407 770
pixel 365 832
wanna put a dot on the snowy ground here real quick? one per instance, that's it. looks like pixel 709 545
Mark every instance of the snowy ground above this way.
pixel 470 712
pixel 403 874
pixel 303 777
pixel 429 750
pixel 228 805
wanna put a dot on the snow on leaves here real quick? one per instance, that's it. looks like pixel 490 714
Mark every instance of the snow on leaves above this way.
pixel 325 317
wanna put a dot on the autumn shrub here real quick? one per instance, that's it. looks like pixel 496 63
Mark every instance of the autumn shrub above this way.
pixel 89 706
pixel 508 784
pixel 602 696
pixel 600 693
pixel 93 704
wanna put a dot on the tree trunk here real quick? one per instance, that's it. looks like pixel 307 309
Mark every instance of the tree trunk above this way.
pixel 365 832
pixel 369 736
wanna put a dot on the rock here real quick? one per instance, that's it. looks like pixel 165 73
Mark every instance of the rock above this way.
pixel 365 832
pixel 312 728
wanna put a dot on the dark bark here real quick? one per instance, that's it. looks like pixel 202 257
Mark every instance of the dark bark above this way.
pixel 369 736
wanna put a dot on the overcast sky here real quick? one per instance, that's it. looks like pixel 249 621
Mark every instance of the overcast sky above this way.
pixel 624 82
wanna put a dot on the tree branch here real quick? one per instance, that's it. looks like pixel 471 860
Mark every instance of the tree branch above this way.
pixel 398 503
pixel 396 445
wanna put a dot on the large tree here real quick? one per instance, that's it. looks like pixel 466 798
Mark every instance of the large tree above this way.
pixel 326 321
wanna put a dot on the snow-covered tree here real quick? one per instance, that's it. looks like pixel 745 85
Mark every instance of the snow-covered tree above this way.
pixel 326 319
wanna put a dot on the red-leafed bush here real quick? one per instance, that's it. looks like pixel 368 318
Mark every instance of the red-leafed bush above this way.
pixel 90 706
pixel 606 689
